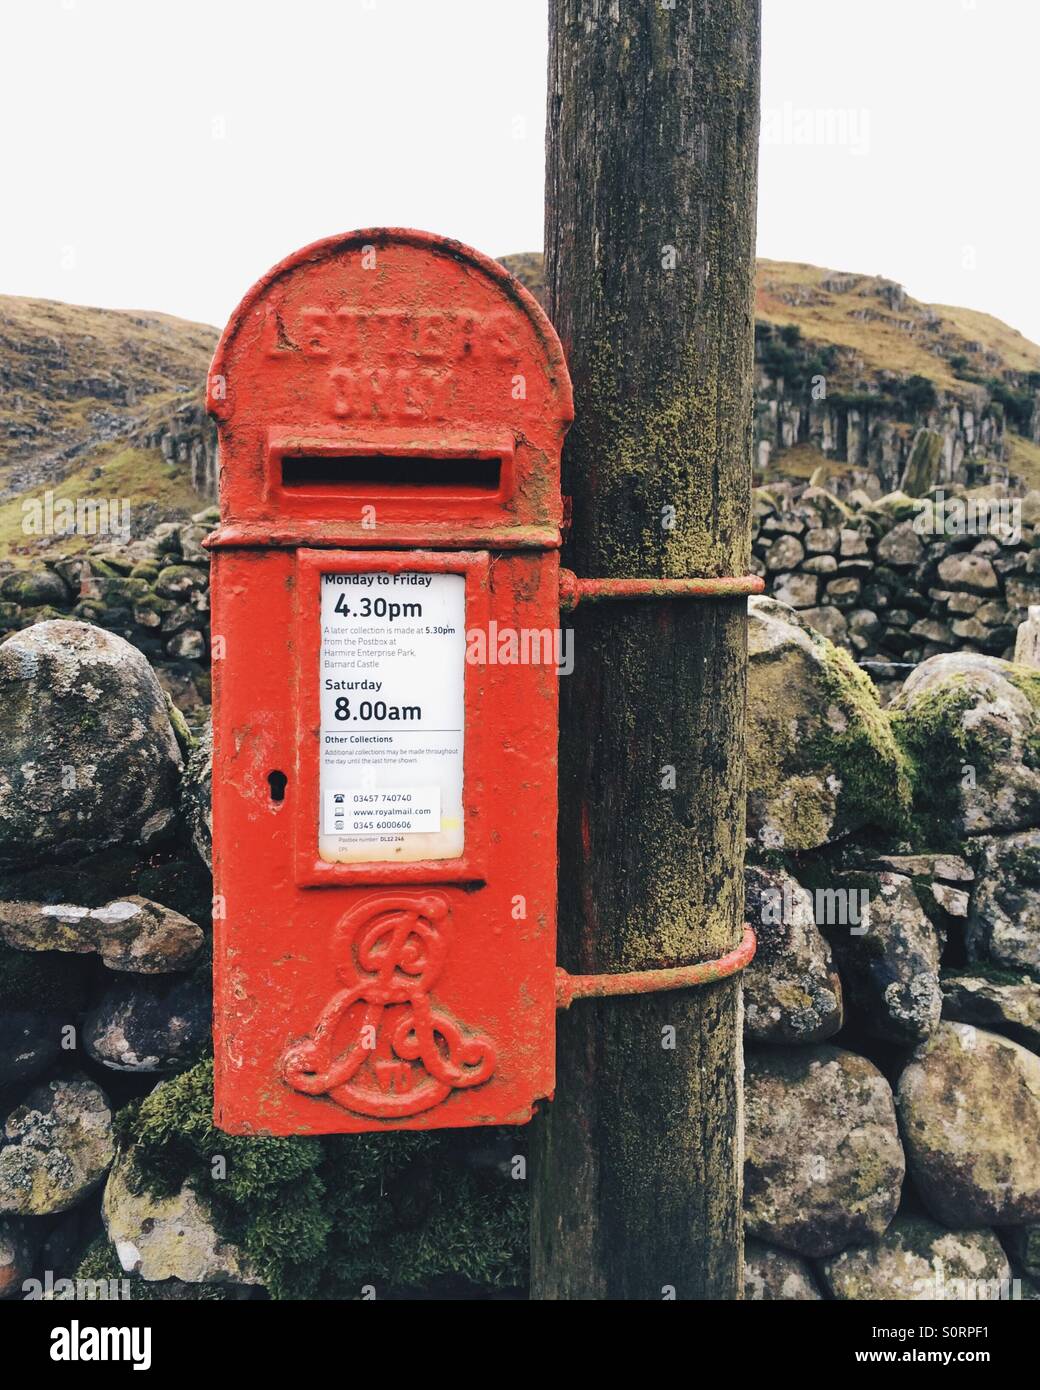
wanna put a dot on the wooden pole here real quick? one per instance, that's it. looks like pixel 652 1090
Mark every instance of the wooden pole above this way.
pixel 650 236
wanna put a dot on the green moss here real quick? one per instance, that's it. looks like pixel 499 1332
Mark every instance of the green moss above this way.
pixel 1021 864
pixel 321 1217
pixel 938 746
pixel 656 447
pixel 1027 680
pixel 185 737
pixel 874 772
pixel 152 603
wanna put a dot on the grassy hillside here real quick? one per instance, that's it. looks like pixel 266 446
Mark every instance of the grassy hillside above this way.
pixel 80 387
pixel 875 332
pixel 888 329
pixel 872 317
pixel 77 385
pixel 528 267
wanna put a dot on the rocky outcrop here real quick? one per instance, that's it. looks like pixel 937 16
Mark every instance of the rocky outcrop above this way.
pixel 187 438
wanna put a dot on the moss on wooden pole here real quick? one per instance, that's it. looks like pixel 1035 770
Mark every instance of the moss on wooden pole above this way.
pixel 650 234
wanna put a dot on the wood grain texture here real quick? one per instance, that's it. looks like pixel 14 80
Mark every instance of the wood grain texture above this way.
pixel 650 225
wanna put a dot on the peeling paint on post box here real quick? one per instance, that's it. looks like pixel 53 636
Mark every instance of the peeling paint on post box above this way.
pixel 391 408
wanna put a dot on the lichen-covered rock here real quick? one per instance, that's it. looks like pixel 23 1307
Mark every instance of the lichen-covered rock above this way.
pixel 792 993
pixel 971 725
pixel 823 1162
pixel 29 1042
pixel 19 1241
pixel 829 622
pixel 197 795
pixel 969 1102
pixel 1003 1003
pixel 923 463
pixel 57 1145
pixel 132 933
pixel 971 572
pixel 785 553
pixel 916 1259
pixel 180 581
pixel 1004 916
pixel 167 1237
pixel 822 760
pixel 188 644
pixel 88 757
pixel 946 868
pixel 901 547
pixel 29 588
pixel 772 1275
pixel 888 956
pixel 149 1025
pixel 796 589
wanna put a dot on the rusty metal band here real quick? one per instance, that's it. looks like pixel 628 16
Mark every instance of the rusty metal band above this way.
pixel 574 590
pixel 706 972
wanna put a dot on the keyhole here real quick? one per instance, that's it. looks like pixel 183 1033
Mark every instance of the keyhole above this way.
pixel 277 782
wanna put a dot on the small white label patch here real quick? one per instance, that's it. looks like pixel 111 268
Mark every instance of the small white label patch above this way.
pixel 392 686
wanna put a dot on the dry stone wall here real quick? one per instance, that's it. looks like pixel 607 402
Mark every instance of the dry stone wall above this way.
pixel 892 1013
pixel 900 579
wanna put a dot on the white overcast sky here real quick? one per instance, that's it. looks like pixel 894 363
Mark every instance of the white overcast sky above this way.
pixel 161 154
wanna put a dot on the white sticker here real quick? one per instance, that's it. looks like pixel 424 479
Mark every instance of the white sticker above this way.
pixel 409 809
pixel 392 685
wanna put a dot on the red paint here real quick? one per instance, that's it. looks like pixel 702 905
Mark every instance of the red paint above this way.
pixel 405 356
pixel 574 590
pixel 571 987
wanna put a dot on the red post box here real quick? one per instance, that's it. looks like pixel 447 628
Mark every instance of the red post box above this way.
pixel 386 590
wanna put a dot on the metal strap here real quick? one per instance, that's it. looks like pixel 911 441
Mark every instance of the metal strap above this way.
pixel 705 972
pixel 574 590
